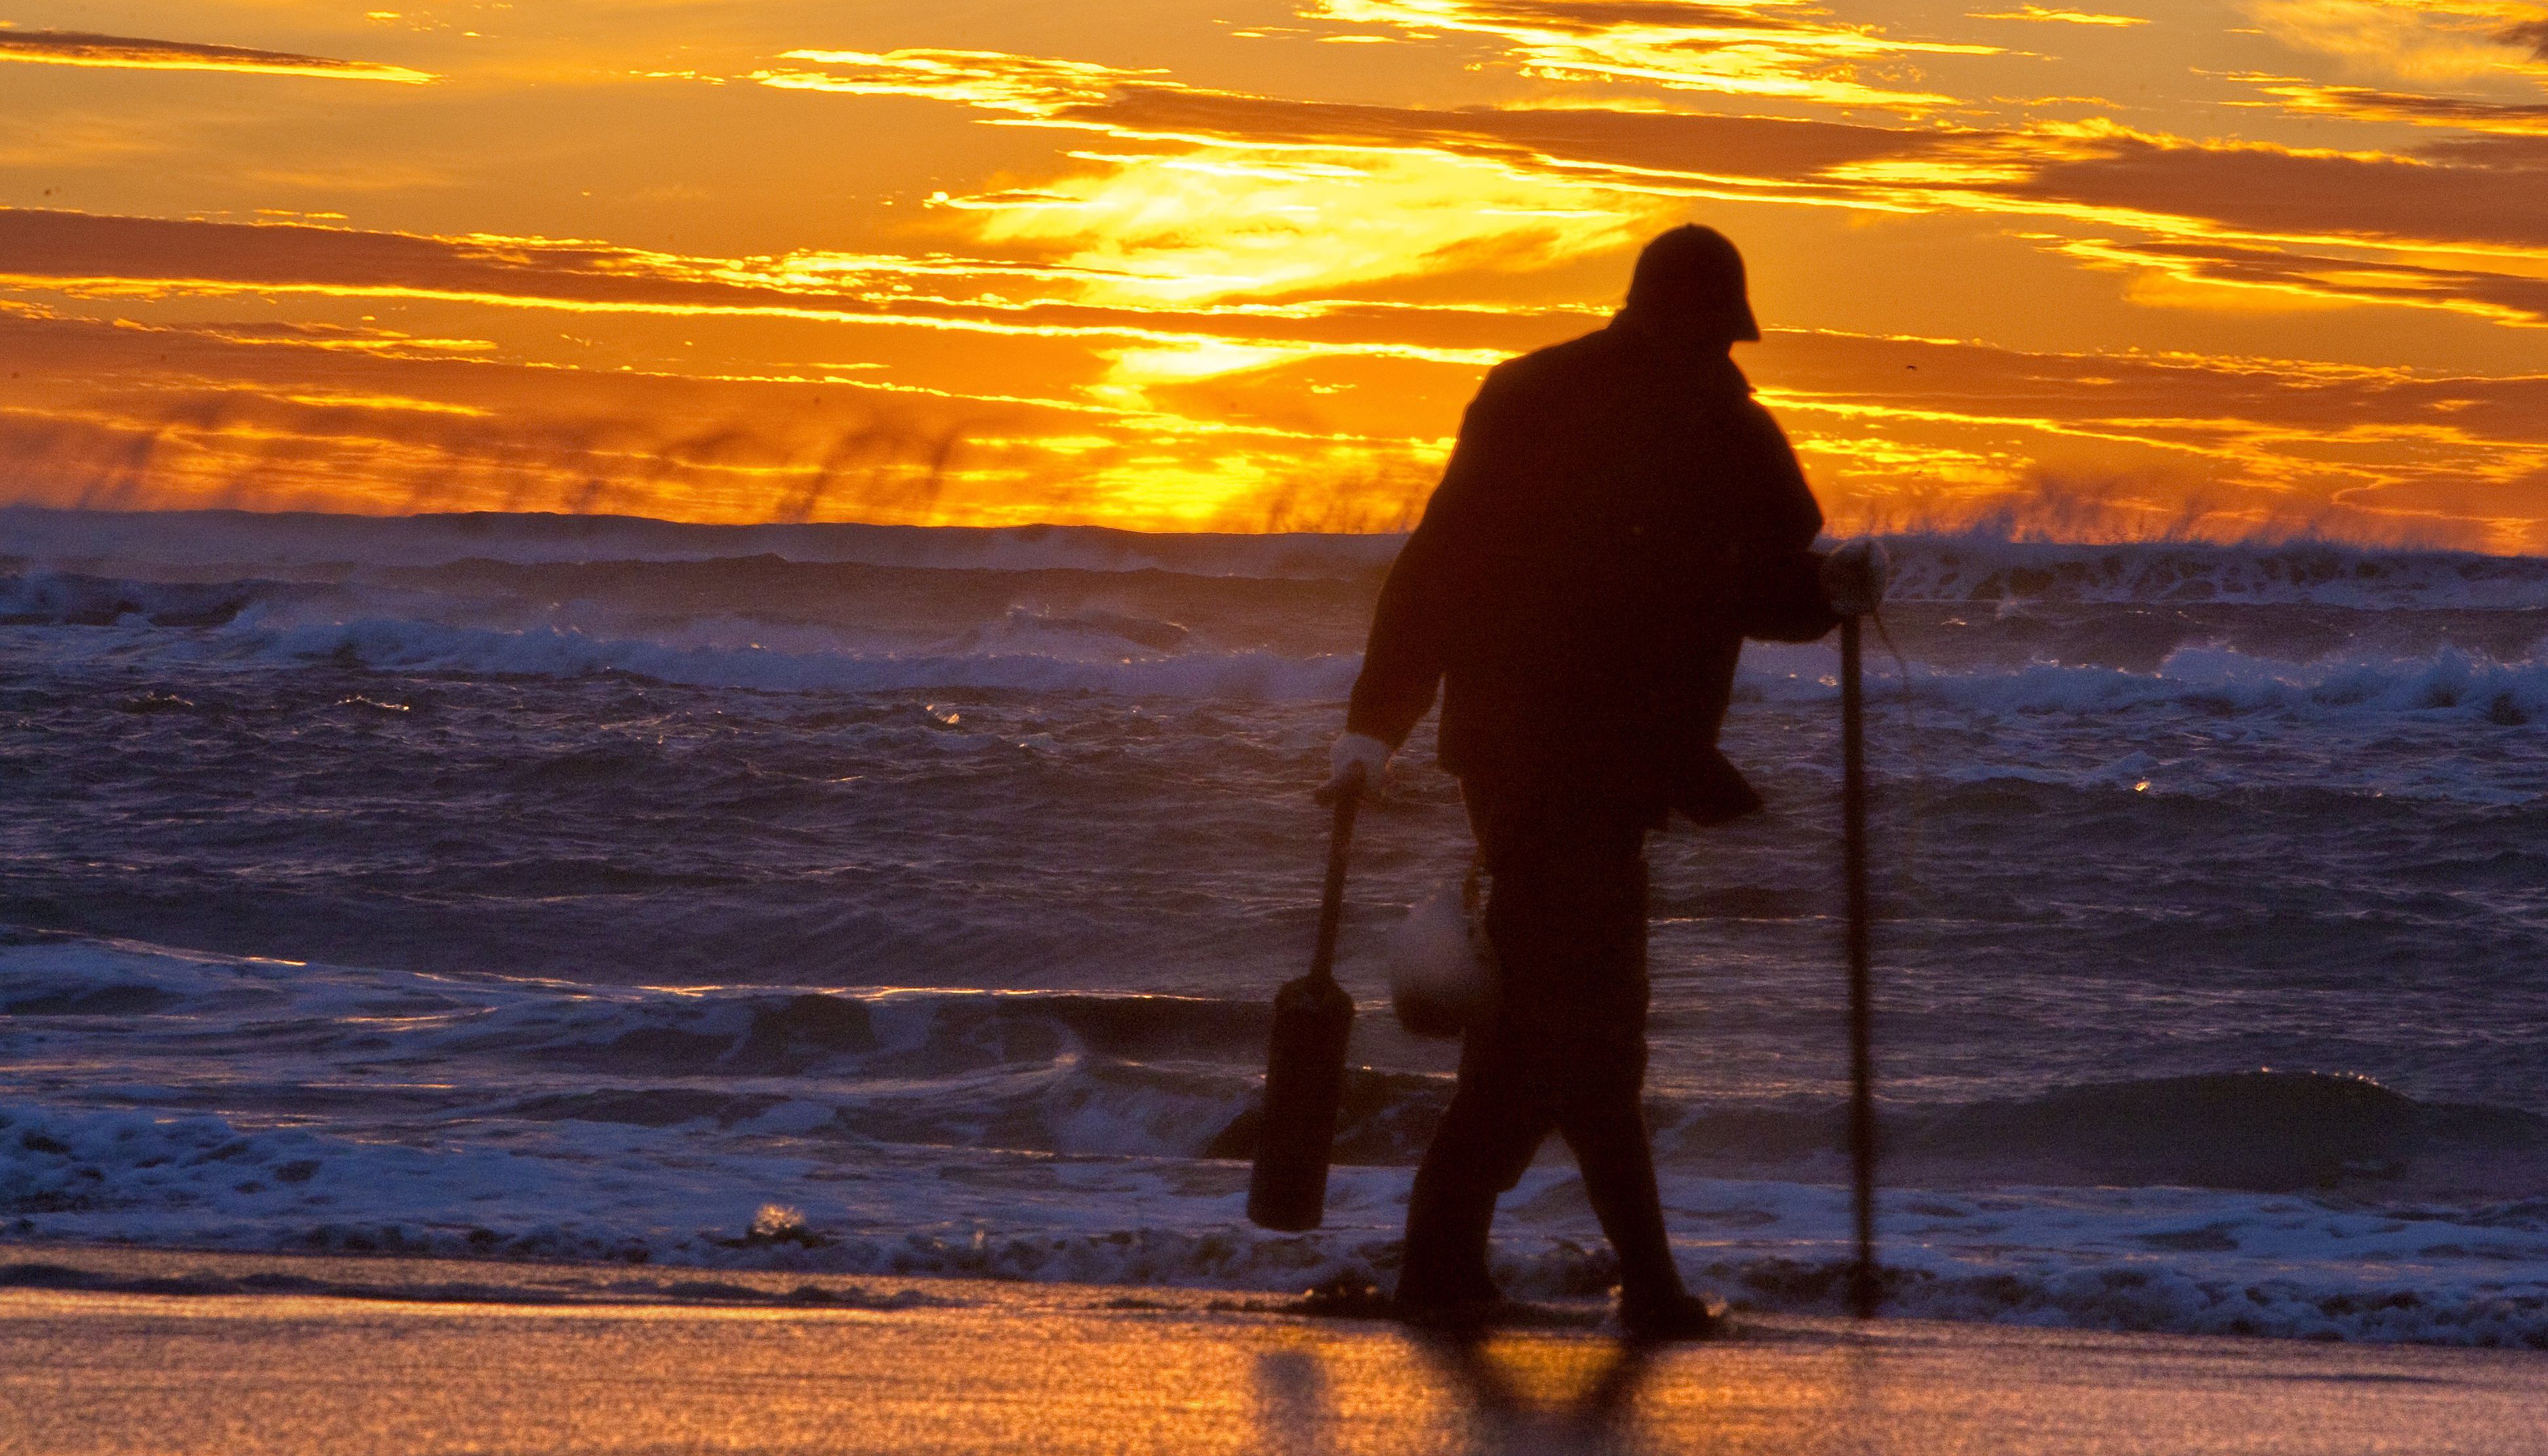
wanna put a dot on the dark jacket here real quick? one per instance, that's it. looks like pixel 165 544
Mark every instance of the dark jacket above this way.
pixel 1618 515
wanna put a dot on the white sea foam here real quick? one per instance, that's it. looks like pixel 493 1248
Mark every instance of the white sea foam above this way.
pixel 2450 680
pixel 1984 570
pixel 405 645
pixel 1095 653
pixel 2167 1259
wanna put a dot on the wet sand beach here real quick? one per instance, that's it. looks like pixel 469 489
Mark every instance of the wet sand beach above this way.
pixel 132 1352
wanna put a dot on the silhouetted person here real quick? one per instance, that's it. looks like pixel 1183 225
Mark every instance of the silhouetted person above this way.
pixel 1618 516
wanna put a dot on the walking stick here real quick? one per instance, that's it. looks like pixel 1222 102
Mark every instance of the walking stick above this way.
pixel 1861 1031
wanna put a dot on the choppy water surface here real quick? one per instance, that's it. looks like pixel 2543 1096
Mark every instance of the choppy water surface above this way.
pixel 578 887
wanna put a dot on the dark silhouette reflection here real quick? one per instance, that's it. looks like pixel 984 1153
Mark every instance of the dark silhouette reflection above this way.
pixel 1598 1420
pixel 1513 1394
pixel 1859 1400
pixel 1291 1402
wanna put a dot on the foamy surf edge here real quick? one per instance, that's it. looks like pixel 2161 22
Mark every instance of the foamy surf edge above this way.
pixel 263 625
pixel 2177 1261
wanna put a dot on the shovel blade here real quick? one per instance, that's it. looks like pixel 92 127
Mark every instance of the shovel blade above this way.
pixel 1305 1078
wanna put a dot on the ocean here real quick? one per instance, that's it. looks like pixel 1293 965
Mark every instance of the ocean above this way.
pixel 908 900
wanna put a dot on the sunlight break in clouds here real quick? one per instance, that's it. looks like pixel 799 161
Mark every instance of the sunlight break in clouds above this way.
pixel 1212 226
pixel 125 52
pixel 1228 217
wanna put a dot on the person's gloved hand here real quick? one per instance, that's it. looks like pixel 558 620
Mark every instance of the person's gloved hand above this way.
pixel 1854 577
pixel 1357 758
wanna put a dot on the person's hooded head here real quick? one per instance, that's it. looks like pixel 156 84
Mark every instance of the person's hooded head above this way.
pixel 1689 287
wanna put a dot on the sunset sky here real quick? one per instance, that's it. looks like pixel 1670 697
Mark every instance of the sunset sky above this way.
pixel 2223 267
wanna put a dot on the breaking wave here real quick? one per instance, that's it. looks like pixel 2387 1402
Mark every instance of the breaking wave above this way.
pixel 398 646
pixel 1170 1076
pixel 2450 681
pixel 265 623
pixel 1100 1138
pixel 1962 568
pixel 1973 569
pixel 70 599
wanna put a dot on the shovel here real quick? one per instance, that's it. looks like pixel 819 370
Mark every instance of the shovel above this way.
pixel 1304 1063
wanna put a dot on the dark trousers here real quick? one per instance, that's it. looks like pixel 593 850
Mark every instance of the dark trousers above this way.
pixel 1564 1052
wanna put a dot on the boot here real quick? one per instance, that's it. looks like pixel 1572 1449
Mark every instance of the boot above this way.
pixel 1662 1319
pixel 1444 1267
pixel 1619 1182
pixel 1450 1212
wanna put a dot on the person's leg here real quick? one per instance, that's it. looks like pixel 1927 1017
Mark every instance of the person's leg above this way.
pixel 1600 1110
pixel 1600 1103
pixel 1487 1135
pixel 1565 1048
pixel 1485 1139
pixel 1608 1138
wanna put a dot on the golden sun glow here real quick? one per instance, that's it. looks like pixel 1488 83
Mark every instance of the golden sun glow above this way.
pixel 1241 266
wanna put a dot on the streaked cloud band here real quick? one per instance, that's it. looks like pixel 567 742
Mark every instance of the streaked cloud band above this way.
pixel 130 53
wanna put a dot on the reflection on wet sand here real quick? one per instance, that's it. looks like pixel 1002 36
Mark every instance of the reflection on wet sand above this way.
pixel 418 1355
pixel 1489 1397
pixel 1291 1402
pixel 1507 1393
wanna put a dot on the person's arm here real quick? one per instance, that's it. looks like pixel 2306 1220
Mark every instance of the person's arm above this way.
pixel 1403 660
pixel 1402 663
pixel 1785 602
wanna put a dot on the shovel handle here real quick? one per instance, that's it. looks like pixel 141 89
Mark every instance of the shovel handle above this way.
pixel 1331 900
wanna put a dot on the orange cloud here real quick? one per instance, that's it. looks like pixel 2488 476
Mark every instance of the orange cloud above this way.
pixel 2490 198
pixel 133 416
pixel 2495 297
pixel 1962 430
pixel 2418 40
pixel 1160 295
pixel 2370 104
pixel 143 258
pixel 1766 48
pixel 127 52
pixel 1892 428
pixel 1024 84
pixel 2062 16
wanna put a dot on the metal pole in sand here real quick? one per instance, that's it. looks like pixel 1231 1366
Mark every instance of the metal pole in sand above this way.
pixel 1861 1031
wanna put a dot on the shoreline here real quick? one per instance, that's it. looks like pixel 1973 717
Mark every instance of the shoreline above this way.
pixel 285 1354
pixel 780 1275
